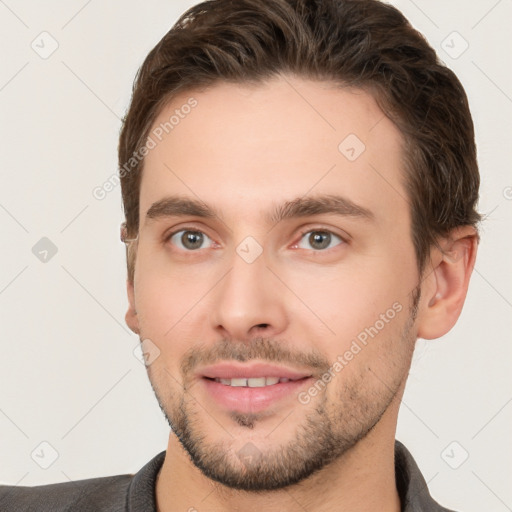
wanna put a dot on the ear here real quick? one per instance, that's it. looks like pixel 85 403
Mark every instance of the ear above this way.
pixel 131 315
pixel 446 284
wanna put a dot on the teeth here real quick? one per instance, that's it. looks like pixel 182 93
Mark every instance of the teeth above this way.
pixel 253 382
pixel 238 382
pixel 258 382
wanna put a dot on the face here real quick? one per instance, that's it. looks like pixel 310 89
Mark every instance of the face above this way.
pixel 274 243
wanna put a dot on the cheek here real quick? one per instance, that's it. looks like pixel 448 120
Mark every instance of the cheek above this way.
pixel 345 298
pixel 162 298
pixel 360 312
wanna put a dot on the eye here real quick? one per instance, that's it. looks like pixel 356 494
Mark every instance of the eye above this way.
pixel 319 240
pixel 190 239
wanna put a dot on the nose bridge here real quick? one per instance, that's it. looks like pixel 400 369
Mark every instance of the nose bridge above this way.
pixel 246 297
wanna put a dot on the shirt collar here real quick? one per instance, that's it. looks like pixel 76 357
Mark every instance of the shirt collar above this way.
pixel 412 488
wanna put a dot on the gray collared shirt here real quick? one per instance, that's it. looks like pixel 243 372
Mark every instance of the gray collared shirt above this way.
pixel 136 493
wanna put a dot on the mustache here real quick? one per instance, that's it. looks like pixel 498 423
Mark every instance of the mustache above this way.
pixel 260 348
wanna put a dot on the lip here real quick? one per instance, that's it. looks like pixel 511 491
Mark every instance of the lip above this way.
pixel 252 400
pixel 244 371
pixel 246 399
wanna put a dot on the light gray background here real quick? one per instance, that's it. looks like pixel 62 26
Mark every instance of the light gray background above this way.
pixel 69 376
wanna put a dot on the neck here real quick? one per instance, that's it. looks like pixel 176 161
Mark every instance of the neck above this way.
pixel 362 479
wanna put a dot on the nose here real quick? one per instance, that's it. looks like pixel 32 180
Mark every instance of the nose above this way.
pixel 248 301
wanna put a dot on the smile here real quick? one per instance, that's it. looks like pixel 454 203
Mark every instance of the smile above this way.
pixel 253 382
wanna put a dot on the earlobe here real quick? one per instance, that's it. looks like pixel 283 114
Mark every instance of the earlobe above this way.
pixel 131 315
pixel 446 286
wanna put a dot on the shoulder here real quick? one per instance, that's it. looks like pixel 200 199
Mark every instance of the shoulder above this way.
pixel 411 485
pixel 94 494
pixel 120 493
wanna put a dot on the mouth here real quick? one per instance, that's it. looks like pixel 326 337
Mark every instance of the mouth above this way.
pixel 252 388
pixel 237 372
pixel 253 382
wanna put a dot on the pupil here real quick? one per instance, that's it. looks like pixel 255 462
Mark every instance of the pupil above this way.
pixel 320 239
pixel 192 239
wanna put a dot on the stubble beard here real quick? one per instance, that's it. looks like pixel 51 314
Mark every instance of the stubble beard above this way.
pixel 331 428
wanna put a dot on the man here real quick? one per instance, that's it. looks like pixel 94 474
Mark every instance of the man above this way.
pixel 299 182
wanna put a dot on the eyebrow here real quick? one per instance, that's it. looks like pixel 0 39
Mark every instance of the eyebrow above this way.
pixel 176 206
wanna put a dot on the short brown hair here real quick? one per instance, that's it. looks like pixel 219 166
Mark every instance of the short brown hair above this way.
pixel 361 43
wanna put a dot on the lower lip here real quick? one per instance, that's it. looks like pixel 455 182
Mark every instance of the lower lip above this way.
pixel 251 400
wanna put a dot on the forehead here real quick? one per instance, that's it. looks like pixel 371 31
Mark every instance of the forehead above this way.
pixel 240 148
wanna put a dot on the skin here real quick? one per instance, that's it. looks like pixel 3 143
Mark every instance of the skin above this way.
pixel 243 150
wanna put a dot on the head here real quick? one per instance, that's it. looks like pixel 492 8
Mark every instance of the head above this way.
pixel 257 117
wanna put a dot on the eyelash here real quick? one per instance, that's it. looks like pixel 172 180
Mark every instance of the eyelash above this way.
pixel 304 232
pixel 321 230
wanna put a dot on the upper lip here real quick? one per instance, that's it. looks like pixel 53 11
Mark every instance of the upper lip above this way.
pixel 244 371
